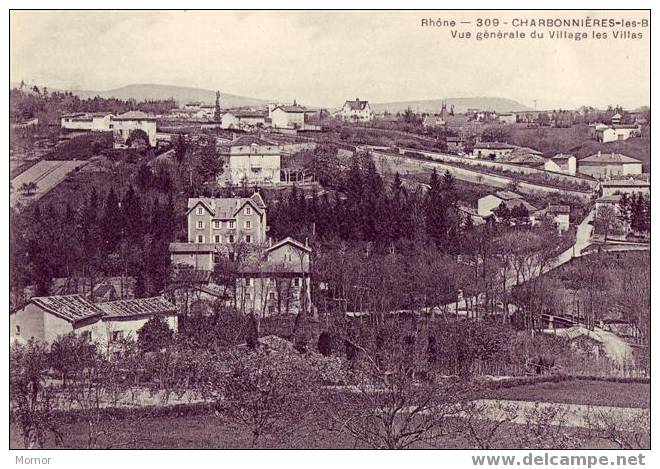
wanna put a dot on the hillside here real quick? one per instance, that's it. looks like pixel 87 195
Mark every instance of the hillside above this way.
pixel 460 105
pixel 181 94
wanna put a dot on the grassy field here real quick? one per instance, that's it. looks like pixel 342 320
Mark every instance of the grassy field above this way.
pixel 214 431
pixel 580 392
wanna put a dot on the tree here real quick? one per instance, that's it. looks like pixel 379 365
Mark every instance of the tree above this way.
pixel 138 138
pixel 269 392
pixel 155 335
pixel 28 188
pixel 217 113
pixel 180 148
pixel 325 344
pixel 252 338
pixel 31 400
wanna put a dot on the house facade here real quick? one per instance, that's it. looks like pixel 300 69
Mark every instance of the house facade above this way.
pixel 492 150
pixel 47 318
pixel 121 125
pixel 357 111
pixel 251 160
pixel 561 163
pixel 287 117
pixel 215 225
pixel 489 203
pixel 617 133
pixel 609 165
pixel 243 119
pixel 626 186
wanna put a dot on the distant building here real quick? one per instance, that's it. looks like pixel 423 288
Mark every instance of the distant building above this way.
pixel 357 111
pixel 617 133
pixel 251 160
pixel 243 119
pixel 491 149
pixel 616 119
pixel 506 118
pixel 488 204
pixel 626 186
pixel 122 125
pixel 47 318
pixel 609 165
pixel 562 163
pixel 560 215
pixel 455 143
pixel 287 117
pixel 433 122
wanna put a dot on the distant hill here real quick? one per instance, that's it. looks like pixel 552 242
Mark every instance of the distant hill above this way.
pixel 460 105
pixel 181 95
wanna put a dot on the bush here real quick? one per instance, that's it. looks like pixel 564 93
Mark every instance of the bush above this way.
pixel 325 344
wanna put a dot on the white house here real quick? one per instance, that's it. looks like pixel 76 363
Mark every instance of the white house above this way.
pixel 243 119
pixel 617 133
pixel 357 111
pixel 489 203
pixel 506 118
pixel 122 125
pixel 560 216
pixel 609 165
pixel 287 117
pixel 251 160
pixel 491 149
pixel 47 318
pixel 626 186
pixel 561 163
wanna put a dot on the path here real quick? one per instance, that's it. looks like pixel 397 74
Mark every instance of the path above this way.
pixel 571 415
pixel 46 174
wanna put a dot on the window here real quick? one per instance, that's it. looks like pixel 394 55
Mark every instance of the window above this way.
pixel 218 239
pixel 248 210
pixel 86 335
pixel 248 225
pixel 200 211
pixel 296 282
pixel 248 239
pixel 271 295
pixel 200 238
pixel 200 224
pixel 117 335
pixel 217 224
pixel 231 239
pixel 18 329
pixel 232 224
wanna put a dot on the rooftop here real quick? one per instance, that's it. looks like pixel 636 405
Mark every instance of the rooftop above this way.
pixel 71 308
pixel 508 195
pixel 494 145
pixel 226 208
pixel 137 307
pixel 626 183
pixel 609 158
pixel 558 209
pixel 356 105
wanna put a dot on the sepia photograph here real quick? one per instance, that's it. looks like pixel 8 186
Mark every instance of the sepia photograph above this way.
pixel 330 229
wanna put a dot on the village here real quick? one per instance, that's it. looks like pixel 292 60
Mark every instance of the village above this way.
pixel 248 273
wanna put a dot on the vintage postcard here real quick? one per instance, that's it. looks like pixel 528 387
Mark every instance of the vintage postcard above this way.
pixel 331 230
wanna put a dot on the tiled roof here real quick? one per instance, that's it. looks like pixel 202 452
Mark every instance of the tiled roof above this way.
pixel 356 105
pixel 72 308
pixel 246 114
pixel 608 158
pixel 626 183
pixel 511 203
pixel 137 307
pixel 133 115
pixel 199 248
pixel 493 145
pixel 226 208
pixel 289 240
pixel 558 209
pixel 246 140
pixel 508 195
pixel 292 109
pixel 609 199
pixel 562 156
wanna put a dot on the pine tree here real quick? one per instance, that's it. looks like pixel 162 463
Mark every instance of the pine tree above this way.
pixel 111 222
pixel 252 339
pixel 217 114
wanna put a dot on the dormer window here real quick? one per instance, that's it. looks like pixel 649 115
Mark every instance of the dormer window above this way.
pixel 200 211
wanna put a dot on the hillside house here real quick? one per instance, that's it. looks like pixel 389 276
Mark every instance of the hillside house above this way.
pixel 251 160
pixel 561 163
pixel 47 318
pixel 489 203
pixel 492 150
pixel 559 214
pixel 616 133
pixel 122 125
pixel 287 117
pixel 609 165
pixel 243 119
pixel 626 186
pixel 508 118
pixel 432 122
pixel 357 111
pixel 455 143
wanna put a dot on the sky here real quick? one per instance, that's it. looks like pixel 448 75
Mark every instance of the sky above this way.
pixel 324 58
